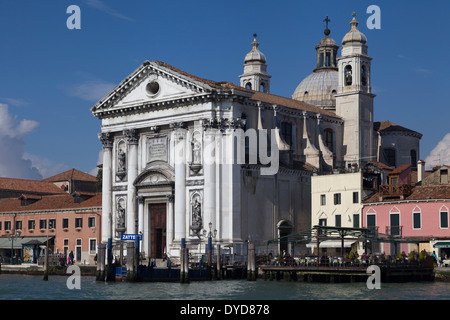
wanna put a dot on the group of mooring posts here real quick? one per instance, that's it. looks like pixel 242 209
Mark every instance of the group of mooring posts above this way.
pixel 106 270
pixel 105 266
pixel 216 274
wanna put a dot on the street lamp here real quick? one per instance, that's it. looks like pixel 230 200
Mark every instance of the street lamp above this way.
pixel 211 234
pixel 11 238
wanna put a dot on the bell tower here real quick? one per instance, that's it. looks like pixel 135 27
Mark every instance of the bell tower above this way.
pixel 255 75
pixel 354 98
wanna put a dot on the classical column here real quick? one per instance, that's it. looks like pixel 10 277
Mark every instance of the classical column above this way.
pixel 180 184
pixel 107 140
pixel 209 172
pixel 141 202
pixel 132 170
pixel 170 218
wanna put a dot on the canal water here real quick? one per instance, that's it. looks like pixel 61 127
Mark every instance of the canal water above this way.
pixel 26 287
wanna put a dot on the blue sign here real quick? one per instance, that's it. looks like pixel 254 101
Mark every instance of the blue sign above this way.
pixel 133 237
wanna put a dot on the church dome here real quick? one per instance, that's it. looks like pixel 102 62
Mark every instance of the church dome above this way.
pixel 354 35
pixel 318 89
pixel 255 55
pixel 327 41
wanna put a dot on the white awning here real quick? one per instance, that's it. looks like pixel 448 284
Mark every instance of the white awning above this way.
pixel 331 244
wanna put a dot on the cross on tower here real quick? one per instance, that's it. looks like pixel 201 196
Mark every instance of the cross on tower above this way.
pixel 326 20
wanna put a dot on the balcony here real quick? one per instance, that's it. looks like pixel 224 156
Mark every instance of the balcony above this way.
pixel 395 231
pixel 390 191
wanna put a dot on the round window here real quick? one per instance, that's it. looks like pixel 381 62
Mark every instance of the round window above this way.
pixel 152 87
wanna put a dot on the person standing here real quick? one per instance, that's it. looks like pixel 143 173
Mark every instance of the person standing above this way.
pixel 71 257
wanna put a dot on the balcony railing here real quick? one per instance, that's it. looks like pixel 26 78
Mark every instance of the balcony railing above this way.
pixel 397 191
pixel 394 230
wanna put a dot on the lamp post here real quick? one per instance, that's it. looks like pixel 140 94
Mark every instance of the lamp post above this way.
pixel 211 234
pixel 11 238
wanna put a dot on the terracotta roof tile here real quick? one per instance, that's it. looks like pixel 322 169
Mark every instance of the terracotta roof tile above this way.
pixel 29 186
pixel 53 202
pixel 386 126
pixel 257 96
pixel 72 174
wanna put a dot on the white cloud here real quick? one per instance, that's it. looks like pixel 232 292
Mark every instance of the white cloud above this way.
pixel 92 90
pixel 45 166
pixel 12 161
pixel 94 171
pixel 97 4
pixel 440 154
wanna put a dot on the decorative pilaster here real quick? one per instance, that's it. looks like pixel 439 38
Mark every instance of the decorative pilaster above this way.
pixel 132 137
pixel 107 140
pixel 170 219
pixel 209 173
pixel 180 184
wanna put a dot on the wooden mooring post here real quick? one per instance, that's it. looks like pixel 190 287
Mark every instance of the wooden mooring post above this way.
pixel 184 262
pixel 251 262
pixel 100 276
pixel 131 276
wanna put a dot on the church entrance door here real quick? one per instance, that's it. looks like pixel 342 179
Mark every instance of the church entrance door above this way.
pixel 157 229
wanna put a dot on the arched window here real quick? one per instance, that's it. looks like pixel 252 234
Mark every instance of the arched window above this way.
pixel 248 85
pixel 348 80
pixel 329 139
pixel 286 132
pixel 389 156
pixel 262 87
pixel 306 95
pixel 328 59
pixel 363 76
pixel 413 155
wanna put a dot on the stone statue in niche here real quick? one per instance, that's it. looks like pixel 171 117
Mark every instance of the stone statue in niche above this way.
pixel 197 224
pixel 121 164
pixel 196 152
pixel 196 163
pixel 120 225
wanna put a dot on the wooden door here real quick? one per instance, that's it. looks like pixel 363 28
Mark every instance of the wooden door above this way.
pixel 157 229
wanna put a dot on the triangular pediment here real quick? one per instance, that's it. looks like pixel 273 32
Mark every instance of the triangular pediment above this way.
pixel 151 83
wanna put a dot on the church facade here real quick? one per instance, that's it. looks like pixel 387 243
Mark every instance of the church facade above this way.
pixel 185 158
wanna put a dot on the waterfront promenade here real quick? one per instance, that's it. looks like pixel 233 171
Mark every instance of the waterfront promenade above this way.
pixel 441 273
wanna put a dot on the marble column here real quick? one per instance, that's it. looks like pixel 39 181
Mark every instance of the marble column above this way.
pixel 180 184
pixel 107 141
pixel 132 137
pixel 141 202
pixel 209 172
pixel 170 219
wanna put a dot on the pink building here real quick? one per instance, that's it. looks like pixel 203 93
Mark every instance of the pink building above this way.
pixel 418 213
pixel 64 209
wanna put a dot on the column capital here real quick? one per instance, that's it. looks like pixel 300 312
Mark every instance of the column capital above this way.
pixel 140 199
pixel 107 139
pixel 171 198
pixel 131 135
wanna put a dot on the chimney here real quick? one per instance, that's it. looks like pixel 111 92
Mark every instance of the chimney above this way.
pixel 420 170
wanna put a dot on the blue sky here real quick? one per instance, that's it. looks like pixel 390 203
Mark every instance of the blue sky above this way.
pixel 51 76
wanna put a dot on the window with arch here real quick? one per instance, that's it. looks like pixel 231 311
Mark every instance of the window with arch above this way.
pixel 413 155
pixel 305 95
pixel 248 85
pixel 443 217
pixel 328 59
pixel 286 132
pixel 348 79
pixel 389 156
pixel 262 87
pixel 329 139
pixel 364 75
pixel 416 218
